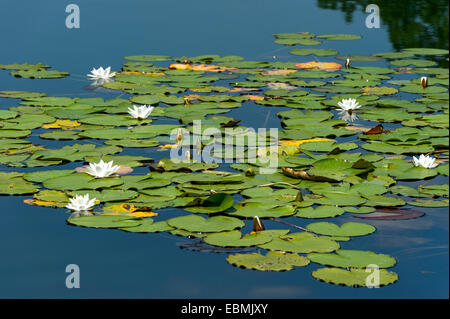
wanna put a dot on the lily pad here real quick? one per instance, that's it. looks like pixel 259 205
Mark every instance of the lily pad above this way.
pixel 317 52
pixel 347 229
pixel 352 258
pixel 319 212
pixel 354 277
pixel 273 261
pixel 198 224
pixel 302 242
pixel 148 225
pixel 234 238
pixel 213 204
pixel 105 221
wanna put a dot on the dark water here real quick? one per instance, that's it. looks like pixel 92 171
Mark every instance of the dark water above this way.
pixel 36 244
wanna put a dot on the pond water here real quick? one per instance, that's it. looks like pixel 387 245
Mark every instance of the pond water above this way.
pixel 36 244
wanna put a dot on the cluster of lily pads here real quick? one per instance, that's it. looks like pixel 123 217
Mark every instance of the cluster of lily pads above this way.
pixel 317 177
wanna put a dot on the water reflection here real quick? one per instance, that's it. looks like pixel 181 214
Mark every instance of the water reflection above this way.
pixel 347 116
pixel 410 23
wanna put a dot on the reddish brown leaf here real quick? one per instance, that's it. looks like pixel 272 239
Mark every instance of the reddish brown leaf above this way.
pixel 375 130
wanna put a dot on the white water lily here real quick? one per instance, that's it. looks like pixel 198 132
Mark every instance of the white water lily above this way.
pixel 81 203
pixel 100 73
pixel 102 169
pixel 348 105
pixel 425 161
pixel 140 112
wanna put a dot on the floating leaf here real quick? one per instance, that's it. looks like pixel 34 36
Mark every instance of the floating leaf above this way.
pixel 262 210
pixel 319 212
pixel 198 224
pixel 346 229
pixel 429 203
pixel 149 226
pixel 317 52
pixel 352 258
pixel 301 243
pixel 339 36
pixel 213 204
pixel 273 261
pixel 105 221
pixel 354 277
pixel 234 238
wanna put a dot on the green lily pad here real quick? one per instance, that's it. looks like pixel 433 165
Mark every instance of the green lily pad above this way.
pixel 339 36
pixel 429 203
pixel 105 221
pixel 347 229
pixel 213 204
pixel 80 181
pixel 262 210
pixel 414 62
pixel 39 74
pixel 379 200
pixel 234 238
pixel 319 212
pixel 148 57
pixel 107 195
pixel 352 258
pixel 13 184
pixel 354 277
pixel 317 52
pixel 426 51
pixel 302 242
pixel 148 225
pixel 51 196
pixel 198 224
pixel 273 261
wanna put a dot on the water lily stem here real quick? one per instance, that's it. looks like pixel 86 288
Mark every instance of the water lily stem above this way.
pixel 295 226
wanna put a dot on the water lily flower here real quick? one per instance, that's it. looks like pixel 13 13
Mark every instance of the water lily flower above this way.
pixel 425 161
pixel 424 81
pixel 179 137
pixel 347 63
pixel 140 112
pixel 81 203
pixel 349 105
pixel 257 224
pixel 102 169
pixel 100 73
